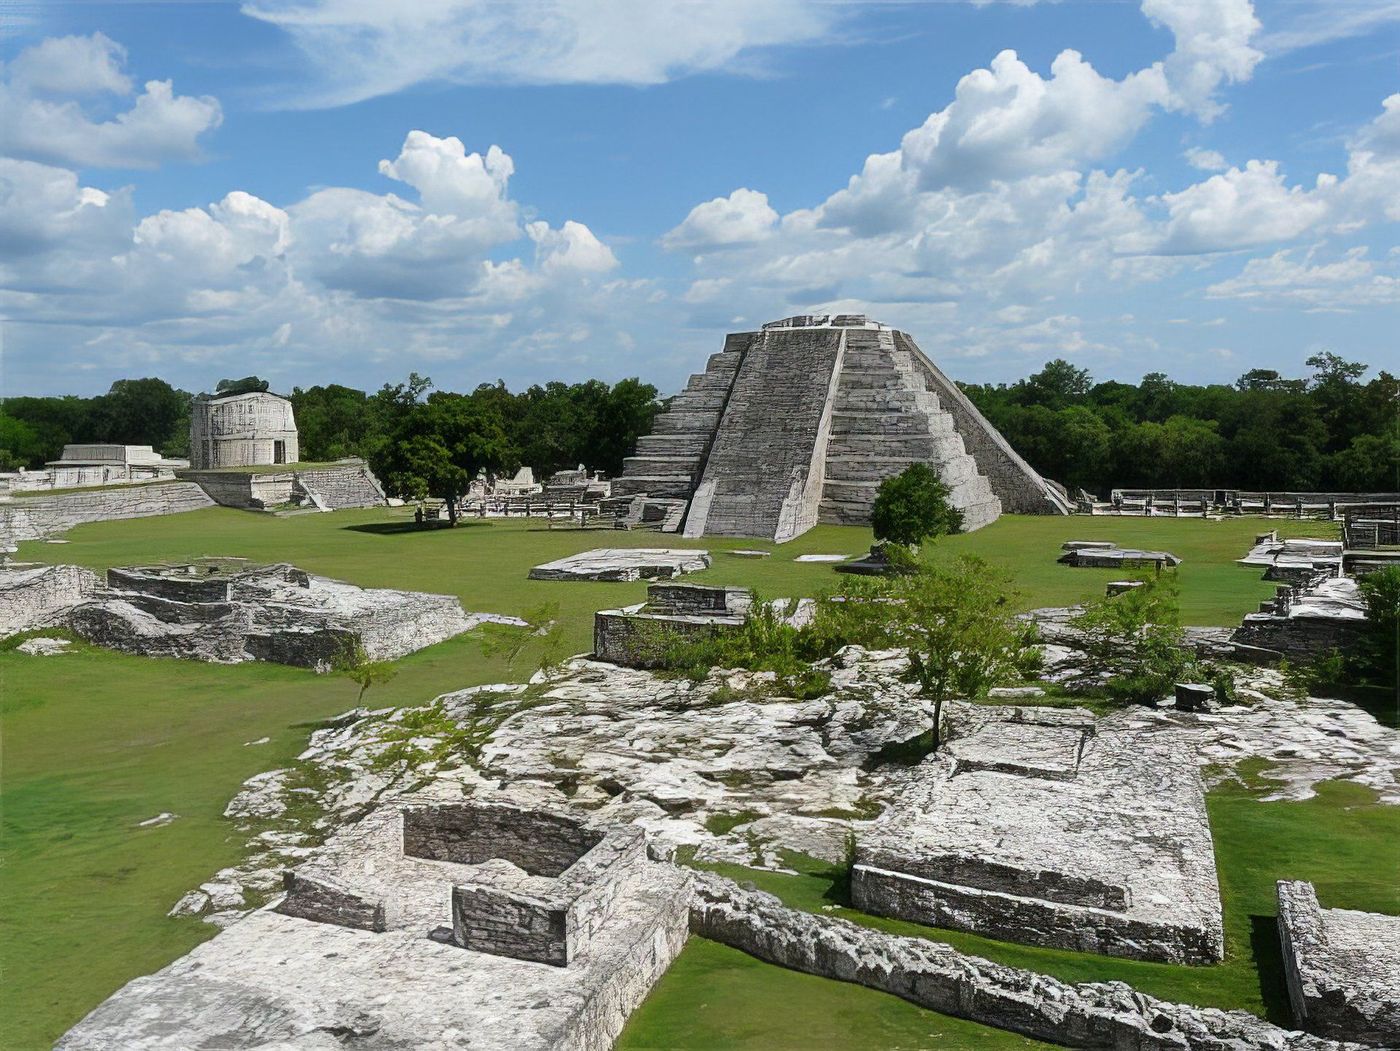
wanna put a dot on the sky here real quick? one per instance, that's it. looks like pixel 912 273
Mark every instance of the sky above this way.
pixel 344 191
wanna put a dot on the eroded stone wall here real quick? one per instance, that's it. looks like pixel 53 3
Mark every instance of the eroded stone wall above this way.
pixel 540 842
pixel 38 596
pixel 40 517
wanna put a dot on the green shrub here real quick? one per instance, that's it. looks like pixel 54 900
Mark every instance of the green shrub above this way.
pixel 1133 642
pixel 913 506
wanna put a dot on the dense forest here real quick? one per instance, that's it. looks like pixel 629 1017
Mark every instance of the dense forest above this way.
pixel 1334 429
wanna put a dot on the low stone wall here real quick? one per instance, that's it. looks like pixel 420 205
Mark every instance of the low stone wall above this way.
pixel 540 842
pixel 635 639
pixel 40 517
pixel 1342 967
pixel 244 490
pixel 323 900
pixel 933 975
pixel 39 596
pixel 1298 637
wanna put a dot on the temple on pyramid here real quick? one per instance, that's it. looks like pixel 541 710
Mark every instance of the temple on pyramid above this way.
pixel 799 422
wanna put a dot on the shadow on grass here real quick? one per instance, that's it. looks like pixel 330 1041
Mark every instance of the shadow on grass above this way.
pixel 1267 950
pixel 399 528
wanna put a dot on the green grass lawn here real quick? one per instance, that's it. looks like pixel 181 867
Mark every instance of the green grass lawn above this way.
pixel 96 742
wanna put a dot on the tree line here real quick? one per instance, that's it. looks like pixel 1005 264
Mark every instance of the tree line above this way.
pixel 1331 430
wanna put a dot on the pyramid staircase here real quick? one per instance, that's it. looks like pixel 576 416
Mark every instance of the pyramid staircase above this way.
pixel 884 419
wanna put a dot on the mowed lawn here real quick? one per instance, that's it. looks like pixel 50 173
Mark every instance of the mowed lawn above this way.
pixel 97 742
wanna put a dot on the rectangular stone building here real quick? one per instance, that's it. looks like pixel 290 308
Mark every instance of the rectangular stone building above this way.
pixel 242 430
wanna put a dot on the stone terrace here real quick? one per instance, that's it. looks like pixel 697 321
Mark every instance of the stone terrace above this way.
pixel 1031 827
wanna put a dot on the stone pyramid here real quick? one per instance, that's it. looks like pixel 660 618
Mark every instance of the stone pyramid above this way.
pixel 799 422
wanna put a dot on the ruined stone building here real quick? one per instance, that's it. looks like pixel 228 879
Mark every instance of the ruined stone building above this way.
pixel 799 422
pixel 242 430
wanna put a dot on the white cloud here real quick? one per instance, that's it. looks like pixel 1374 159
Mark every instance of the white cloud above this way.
pixel 41 120
pixel 360 49
pixel 1205 160
pixel 1280 279
pixel 1307 24
pixel 1212 46
pixel 1241 208
pixel 571 248
pixel 745 216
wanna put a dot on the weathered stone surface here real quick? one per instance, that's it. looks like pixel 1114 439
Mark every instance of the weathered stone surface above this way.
pixel 1114 557
pixel 937 976
pixel 1306 619
pixel 642 635
pixel 1033 826
pixel 276 981
pixel 40 517
pixel 327 487
pixel 624 563
pixel 1342 967
pixel 233 611
pixel 42 647
pixel 40 596
pixel 242 430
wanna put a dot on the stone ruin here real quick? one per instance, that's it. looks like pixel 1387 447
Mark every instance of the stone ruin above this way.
pixel 635 636
pixel 624 563
pixel 799 422
pixel 530 884
pixel 242 429
pixel 427 926
pixel 1342 967
pixel 1031 825
pixel 1294 560
pixel 230 610
pixel 1306 618
pixel 1105 554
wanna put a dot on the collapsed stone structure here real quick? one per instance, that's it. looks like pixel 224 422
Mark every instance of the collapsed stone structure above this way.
pixel 37 596
pixel 624 563
pixel 242 429
pixel 800 421
pixel 231 610
pixel 1105 554
pixel 1342 967
pixel 1295 560
pixel 1306 618
pixel 1032 825
pixel 637 636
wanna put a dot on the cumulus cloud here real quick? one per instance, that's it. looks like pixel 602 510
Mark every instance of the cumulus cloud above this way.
pixel 1350 281
pixel 41 117
pixel 342 271
pixel 1205 160
pixel 743 217
pixel 359 50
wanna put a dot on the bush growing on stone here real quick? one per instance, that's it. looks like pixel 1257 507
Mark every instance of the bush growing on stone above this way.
pixel 1378 658
pixel 913 506
pixel 955 620
pixel 1133 643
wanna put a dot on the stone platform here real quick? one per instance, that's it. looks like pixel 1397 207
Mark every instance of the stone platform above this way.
pixel 624 563
pixel 1342 967
pixel 286 981
pixel 1030 826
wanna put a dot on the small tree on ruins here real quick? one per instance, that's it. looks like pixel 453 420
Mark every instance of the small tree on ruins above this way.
pixel 912 506
pixel 1133 643
pixel 956 621
pixel 363 672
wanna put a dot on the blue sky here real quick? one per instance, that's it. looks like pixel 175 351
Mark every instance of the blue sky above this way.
pixel 344 190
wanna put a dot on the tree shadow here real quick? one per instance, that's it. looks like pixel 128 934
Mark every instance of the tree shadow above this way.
pixel 1267 950
pixel 400 528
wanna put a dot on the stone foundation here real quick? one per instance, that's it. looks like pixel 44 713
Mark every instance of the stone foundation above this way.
pixel 40 596
pixel 624 563
pixel 642 636
pixel 1032 826
pixel 40 517
pixel 1342 967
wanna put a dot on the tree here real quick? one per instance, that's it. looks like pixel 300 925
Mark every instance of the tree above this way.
pixel 1133 643
pixel 956 621
pixel 246 385
pixel 1378 656
pixel 1057 385
pixel 363 672
pixel 439 448
pixel 913 505
pixel 142 412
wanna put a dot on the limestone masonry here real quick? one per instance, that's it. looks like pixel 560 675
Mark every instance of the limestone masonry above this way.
pixel 1342 967
pixel 799 422
pixel 1032 825
pixel 242 430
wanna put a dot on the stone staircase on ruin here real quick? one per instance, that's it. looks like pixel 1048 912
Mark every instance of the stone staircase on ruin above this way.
pixel 884 419
pixel 670 460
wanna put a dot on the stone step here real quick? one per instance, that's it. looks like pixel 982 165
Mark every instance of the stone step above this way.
pixel 876 425
pixel 872 379
pixel 686 423
pixel 891 401
pixel 660 466
pixel 960 476
pixel 677 487
pixel 875 468
pixel 868 358
pixel 710 399
pixel 916 446
pixel 673 444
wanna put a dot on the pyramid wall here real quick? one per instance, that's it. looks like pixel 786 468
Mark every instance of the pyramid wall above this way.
pixel 800 422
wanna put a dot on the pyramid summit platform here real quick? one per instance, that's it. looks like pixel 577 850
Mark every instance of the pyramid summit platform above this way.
pixel 799 423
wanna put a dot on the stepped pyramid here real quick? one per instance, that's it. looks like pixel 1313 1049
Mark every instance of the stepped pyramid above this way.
pixel 799 422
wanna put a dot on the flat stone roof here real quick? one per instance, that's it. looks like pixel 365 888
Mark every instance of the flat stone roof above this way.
pixel 624 563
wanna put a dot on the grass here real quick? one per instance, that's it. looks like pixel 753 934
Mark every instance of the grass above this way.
pixel 96 742
pixel 1342 840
